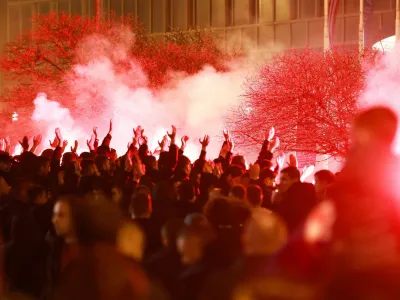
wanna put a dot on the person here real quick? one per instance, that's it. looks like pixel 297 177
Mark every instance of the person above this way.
pixel 64 246
pixel 238 191
pixel 296 198
pixel 254 196
pixel 192 244
pixel 141 212
pixel 360 217
pixel 323 179
pixel 263 236
pixel 165 265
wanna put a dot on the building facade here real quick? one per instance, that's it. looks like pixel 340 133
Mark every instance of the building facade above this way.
pixel 287 23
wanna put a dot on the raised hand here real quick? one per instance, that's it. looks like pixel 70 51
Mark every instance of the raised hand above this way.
pixel 8 144
pixel 37 140
pixel 307 171
pixel 163 143
pixel 226 134
pixel 280 160
pixel 25 143
pixel 274 144
pixel 59 135
pixel 172 135
pixel 75 147
pixel 184 140
pixel 293 161
pixel 138 131
pixel 205 141
pixel 270 134
pixel 2 145
pixel 90 143
pixel 111 127
pixel 95 131
pixel 65 144
pixel 54 144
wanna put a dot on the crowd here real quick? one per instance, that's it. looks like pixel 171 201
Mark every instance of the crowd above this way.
pixel 98 226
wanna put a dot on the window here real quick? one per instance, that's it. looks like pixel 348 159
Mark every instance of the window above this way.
pixel 116 7
pixel 382 5
pixel 180 14
pixel 241 12
pixel 351 6
pixel 14 21
pixel 229 13
pixel 26 16
pixel 307 9
pixel 76 7
pixel 63 6
pixel 266 11
pixel 217 13
pixel 203 17
pixel 285 10
pixel 143 13
pixel 92 8
pixel 159 17
pixel 320 8
pixel 44 7
pixel 130 7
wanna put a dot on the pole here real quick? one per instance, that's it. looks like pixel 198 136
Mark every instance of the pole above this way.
pixel 397 20
pixel 97 15
pixel 361 27
pixel 322 160
pixel 326 25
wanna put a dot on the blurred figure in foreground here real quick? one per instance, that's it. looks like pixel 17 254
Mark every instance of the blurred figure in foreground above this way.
pixel 360 217
pixel 264 235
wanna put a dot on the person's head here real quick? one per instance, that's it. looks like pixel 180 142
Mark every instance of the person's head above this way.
pixel 238 192
pixel 42 166
pixel 141 206
pixel 186 191
pixel 20 189
pixel 86 156
pixel 102 164
pixel 234 174
pixel 89 168
pixel 323 179
pixel 170 231
pixel 48 153
pixel 264 234
pixel 267 176
pixel 375 127
pixel 288 177
pixel 63 216
pixel 117 193
pixel 38 195
pixel 97 220
pixel 151 162
pixel 245 179
pixel 240 161
pixel 184 165
pixel 254 195
pixel 131 241
pixel 5 161
pixel 68 158
pixel 192 242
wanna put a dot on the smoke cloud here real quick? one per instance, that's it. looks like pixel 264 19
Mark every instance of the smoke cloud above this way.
pixel 196 105
pixel 383 87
